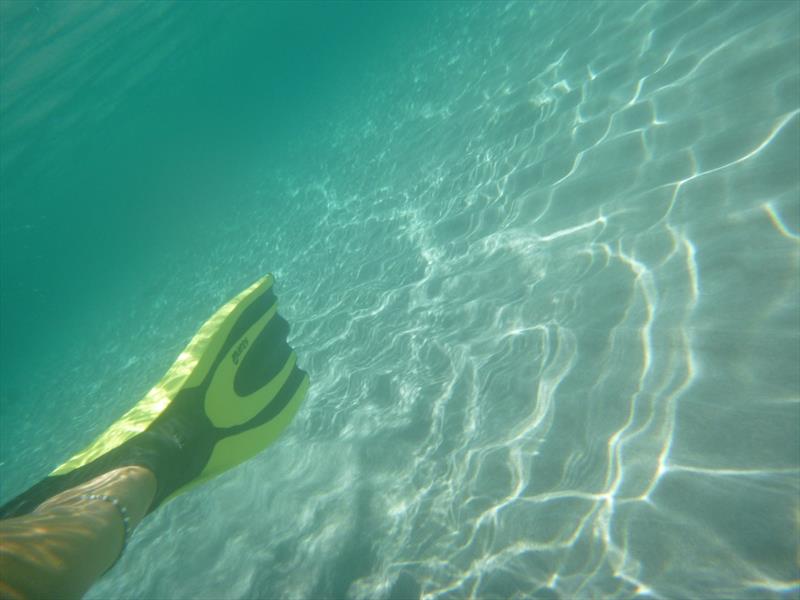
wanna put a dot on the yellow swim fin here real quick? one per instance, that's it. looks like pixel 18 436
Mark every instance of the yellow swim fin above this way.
pixel 229 394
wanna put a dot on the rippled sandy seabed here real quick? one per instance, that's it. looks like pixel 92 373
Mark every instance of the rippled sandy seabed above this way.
pixel 544 277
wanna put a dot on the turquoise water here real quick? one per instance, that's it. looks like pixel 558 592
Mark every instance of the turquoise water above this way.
pixel 541 262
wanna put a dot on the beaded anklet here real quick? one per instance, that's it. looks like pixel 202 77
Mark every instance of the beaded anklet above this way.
pixel 123 512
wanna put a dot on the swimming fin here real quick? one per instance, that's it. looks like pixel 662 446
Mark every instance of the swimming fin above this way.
pixel 229 394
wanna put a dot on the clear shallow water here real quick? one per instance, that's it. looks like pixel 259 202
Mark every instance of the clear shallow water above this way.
pixel 541 264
